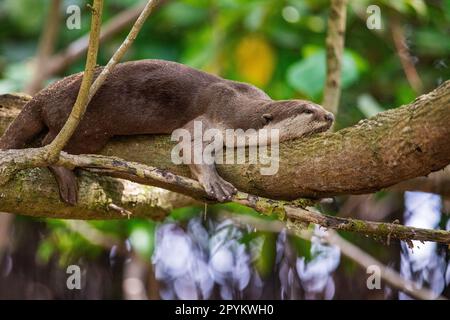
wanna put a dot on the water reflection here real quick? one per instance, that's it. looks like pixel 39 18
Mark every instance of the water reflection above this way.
pixel 209 260
pixel 316 275
pixel 423 263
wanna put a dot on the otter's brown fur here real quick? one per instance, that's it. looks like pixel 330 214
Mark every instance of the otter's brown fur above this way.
pixel 155 97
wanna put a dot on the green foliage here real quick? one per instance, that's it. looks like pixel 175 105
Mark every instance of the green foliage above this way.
pixel 30 13
pixel 66 245
pixel 308 75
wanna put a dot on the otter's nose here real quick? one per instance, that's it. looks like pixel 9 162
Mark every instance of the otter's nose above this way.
pixel 329 117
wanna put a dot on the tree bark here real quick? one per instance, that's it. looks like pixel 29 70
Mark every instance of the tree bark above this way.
pixel 396 145
pixel 34 192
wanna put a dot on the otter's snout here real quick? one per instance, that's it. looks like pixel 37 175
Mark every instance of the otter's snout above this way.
pixel 329 117
pixel 321 115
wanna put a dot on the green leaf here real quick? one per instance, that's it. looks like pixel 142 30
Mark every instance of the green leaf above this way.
pixel 186 213
pixel 184 15
pixel 27 14
pixel 308 75
pixel 432 42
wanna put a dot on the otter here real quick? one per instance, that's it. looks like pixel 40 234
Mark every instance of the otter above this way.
pixel 157 97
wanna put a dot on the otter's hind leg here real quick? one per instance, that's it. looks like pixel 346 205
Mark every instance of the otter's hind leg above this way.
pixel 67 184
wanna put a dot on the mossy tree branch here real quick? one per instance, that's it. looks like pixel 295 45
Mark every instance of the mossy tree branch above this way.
pixel 126 44
pixel 348 249
pixel 295 211
pixel 396 145
pixel 97 198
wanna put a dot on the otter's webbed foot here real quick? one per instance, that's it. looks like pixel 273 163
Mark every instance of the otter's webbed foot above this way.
pixel 216 187
pixel 67 184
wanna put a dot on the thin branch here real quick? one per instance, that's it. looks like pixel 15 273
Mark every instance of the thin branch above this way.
pixel 377 153
pixel 13 160
pixel 405 58
pixel 55 147
pixel 6 221
pixel 45 48
pixel 78 48
pixel 353 160
pixel 118 55
pixel 295 210
pixel 86 93
pixel 375 229
pixel 335 49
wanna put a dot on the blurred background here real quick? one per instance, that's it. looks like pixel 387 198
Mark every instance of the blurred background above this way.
pixel 233 253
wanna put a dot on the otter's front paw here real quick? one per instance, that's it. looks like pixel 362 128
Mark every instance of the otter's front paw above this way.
pixel 218 189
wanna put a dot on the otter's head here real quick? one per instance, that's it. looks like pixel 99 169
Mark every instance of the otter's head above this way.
pixel 296 118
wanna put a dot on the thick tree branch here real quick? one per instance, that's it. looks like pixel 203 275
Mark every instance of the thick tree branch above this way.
pixel 293 210
pixel 394 146
pixel 34 192
pixel 377 152
pixel 376 229
pixel 144 174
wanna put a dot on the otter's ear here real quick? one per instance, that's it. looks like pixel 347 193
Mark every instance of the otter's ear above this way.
pixel 267 117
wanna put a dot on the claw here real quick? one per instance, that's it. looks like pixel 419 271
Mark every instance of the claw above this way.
pixel 220 190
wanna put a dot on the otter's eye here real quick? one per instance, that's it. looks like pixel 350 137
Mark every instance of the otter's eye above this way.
pixel 308 111
pixel 267 117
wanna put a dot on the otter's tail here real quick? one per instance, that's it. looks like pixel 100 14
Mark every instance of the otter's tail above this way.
pixel 25 126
